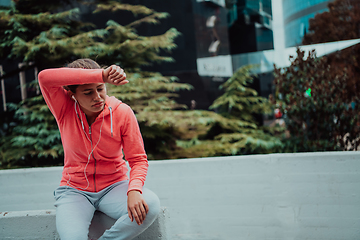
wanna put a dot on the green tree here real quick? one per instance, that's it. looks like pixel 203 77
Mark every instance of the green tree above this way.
pixel 53 38
pixel 50 37
pixel 239 100
pixel 233 129
pixel 320 116
pixel 34 140
pixel 340 22
pixel 156 109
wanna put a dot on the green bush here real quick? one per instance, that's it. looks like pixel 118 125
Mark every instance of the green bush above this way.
pixel 33 139
pixel 320 115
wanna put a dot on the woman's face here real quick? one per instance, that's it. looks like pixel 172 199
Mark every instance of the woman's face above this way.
pixel 91 97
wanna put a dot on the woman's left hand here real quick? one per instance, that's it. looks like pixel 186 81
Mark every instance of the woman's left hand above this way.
pixel 137 207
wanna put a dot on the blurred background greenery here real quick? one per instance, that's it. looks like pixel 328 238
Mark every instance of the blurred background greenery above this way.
pixel 317 97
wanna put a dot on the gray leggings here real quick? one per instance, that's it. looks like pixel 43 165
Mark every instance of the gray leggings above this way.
pixel 75 210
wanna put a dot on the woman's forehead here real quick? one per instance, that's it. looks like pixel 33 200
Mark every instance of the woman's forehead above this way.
pixel 90 86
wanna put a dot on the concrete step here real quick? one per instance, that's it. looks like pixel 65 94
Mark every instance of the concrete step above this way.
pixel 40 225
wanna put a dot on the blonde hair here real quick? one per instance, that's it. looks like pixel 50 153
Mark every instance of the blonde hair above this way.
pixel 85 63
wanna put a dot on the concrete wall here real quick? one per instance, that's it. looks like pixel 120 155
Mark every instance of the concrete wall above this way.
pixel 40 225
pixel 277 196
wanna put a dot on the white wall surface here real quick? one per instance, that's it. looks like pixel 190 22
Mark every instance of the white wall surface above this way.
pixel 277 196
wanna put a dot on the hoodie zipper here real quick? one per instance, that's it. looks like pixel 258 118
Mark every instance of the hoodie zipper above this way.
pixel 93 157
pixel 91 142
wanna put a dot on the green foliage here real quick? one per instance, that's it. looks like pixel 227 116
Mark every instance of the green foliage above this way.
pixel 171 131
pixel 328 119
pixel 233 129
pixel 34 37
pixel 152 97
pixel 247 141
pixel 49 39
pixel 149 91
pixel 34 139
pixel 340 22
pixel 239 100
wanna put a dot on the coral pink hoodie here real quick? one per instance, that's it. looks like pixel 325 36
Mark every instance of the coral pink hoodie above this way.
pixel 94 154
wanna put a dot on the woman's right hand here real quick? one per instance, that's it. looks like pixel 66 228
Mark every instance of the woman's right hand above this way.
pixel 114 75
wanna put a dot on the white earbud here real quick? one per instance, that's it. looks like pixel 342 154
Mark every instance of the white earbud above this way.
pixel 73 97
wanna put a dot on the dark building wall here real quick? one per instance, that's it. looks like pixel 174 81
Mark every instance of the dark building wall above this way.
pixel 184 65
pixel 264 39
pixel 242 38
pixel 210 21
pixel 189 17
pixel 250 30
pixel 181 18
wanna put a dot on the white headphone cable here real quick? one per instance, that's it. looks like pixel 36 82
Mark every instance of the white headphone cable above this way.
pixel 89 156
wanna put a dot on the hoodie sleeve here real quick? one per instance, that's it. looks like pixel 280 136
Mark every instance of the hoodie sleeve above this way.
pixel 51 83
pixel 134 151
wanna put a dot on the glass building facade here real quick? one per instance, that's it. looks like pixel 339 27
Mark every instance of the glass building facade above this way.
pixel 296 15
pixel 240 26
pixel 250 28
pixel 5 3
pixel 226 31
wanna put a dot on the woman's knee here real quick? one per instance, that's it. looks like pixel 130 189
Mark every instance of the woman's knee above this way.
pixel 73 218
pixel 153 203
pixel 69 229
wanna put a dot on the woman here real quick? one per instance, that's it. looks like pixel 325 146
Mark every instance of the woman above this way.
pixel 96 130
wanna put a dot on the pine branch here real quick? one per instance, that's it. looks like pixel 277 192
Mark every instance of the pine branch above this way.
pixel 114 6
pixel 154 18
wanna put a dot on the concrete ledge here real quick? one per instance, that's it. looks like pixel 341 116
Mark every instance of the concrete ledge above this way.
pixel 40 225
pixel 297 196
